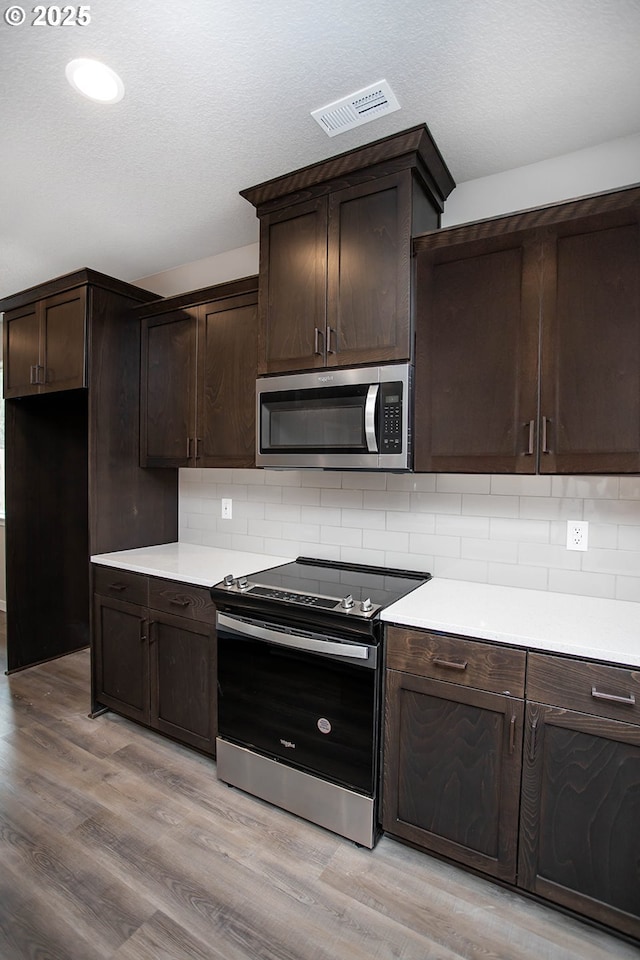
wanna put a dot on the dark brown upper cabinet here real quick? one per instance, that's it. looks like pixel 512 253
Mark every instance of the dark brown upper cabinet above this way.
pixel 45 345
pixel 74 486
pixel 198 378
pixel 528 341
pixel 335 253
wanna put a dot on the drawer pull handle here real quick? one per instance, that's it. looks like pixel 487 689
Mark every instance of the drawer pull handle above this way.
pixel 630 701
pixel 119 587
pixel 451 664
pixel 178 602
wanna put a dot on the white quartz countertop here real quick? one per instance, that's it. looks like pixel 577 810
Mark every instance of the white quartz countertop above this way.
pixel 188 562
pixel 588 627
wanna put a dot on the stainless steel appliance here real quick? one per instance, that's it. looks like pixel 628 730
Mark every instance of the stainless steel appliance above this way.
pixel 300 686
pixel 343 419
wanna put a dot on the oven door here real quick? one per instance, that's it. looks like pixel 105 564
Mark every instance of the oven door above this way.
pixel 301 698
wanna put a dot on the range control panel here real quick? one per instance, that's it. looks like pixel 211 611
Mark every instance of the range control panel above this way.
pixel 391 418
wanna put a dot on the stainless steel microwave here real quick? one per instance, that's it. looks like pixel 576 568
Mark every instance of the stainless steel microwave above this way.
pixel 355 419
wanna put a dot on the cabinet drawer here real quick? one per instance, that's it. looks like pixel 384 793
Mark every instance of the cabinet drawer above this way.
pixel 596 688
pixel 182 600
pixel 112 582
pixel 485 666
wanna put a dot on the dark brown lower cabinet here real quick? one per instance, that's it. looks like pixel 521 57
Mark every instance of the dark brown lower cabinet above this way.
pixel 453 753
pixel 580 815
pixel 542 792
pixel 154 666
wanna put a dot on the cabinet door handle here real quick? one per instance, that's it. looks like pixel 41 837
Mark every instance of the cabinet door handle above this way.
pixel 629 701
pixel 331 349
pixel 317 333
pixel 33 375
pixel 197 448
pixel 545 435
pixel 450 664
pixel 534 737
pixel 119 587
pixel 143 630
pixel 531 426
pixel 512 733
pixel 188 448
pixel 179 602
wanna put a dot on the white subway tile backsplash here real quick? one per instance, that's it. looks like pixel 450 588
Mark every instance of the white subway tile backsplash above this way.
pixel 456 569
pixel 490 505
pixel 518 575
pixel 463 483
pixel 366 519
pixel 342 498
pixel 385 500
pixel 498 551
pixel 628 588
pixel 385 540
pixel 506 485
pixel 509 530
pixel 438 546
pixel 583 584
pixel 411 482
pixel 528 531
pixel 459 526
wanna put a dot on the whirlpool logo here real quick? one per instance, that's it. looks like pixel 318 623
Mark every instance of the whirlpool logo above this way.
pixel 288 743
pixel 325 379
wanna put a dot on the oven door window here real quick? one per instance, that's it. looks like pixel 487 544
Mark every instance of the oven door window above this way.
pixel 315 421
pixel 308 711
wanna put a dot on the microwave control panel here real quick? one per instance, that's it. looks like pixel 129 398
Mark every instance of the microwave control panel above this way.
pixel 391 418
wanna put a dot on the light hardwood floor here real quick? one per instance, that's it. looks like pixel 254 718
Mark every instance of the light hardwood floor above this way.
pixel 116 843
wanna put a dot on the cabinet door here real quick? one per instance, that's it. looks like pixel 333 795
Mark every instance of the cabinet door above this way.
pixel 452 766
pixel 22 362
pixel 64 337
pixel 590 388
pixel 579 836
pixel 293 279
pixel 183 685
pixel 168 390
pixel 368 273
pixel 227 370
pixel 121 652
pixel 478 304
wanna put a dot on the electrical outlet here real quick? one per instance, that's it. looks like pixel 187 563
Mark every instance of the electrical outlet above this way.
pixel 226 509
pixel 577 535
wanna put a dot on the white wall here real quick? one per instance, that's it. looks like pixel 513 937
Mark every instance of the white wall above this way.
pixel 233 265
pixel 496 529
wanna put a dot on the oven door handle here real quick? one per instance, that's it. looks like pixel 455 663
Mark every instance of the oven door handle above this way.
pixel 295 641
pixel 370 418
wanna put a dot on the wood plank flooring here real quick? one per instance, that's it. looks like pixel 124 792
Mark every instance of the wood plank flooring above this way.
pixel 116 844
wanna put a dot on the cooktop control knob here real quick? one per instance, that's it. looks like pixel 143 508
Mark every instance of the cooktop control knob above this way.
pixel 243 583
pixel 347 603
pixel 229 580
pixel 366 606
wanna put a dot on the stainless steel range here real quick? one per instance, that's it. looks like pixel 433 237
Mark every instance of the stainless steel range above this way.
pixel 300 687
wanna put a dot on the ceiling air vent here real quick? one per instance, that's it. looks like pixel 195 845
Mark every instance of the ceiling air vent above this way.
pixel 360 107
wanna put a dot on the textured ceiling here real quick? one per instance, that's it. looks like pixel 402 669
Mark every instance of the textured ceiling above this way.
pixel 218 96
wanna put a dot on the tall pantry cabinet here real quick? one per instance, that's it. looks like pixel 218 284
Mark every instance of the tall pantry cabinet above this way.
pixel 74 486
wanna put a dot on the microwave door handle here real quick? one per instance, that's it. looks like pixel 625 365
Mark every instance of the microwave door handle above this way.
pixel 370 418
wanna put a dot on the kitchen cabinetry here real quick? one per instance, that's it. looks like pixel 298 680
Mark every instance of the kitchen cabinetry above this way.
pixel 45 345
pixel 74 486
pixel 528 341
pixel 155 654
pixel 335 254
pixel 453 747
pixel 580 844
pixel 198 377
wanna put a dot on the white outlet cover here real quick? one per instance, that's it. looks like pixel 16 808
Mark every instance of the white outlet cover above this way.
pixel 577 535
pixel 226 509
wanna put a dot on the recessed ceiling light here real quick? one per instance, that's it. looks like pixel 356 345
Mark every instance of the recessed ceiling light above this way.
pixel 95 80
